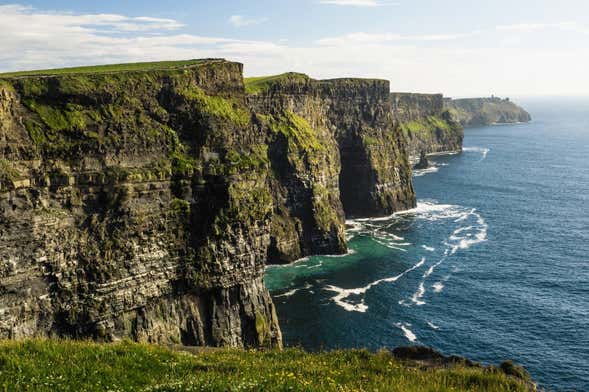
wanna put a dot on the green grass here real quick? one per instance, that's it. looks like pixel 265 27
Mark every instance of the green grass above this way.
pixel 258 84
pixel 426 127
pixel 41 365
pixel 111 68
pixel 295 128
pixel 218 106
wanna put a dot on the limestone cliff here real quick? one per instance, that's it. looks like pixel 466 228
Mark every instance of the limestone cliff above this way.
pixel 476 112
pixel 375 175
pixel 427 126
pixel 144 201
pixel 135 204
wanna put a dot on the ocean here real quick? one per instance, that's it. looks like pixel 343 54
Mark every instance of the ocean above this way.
pixel 493 264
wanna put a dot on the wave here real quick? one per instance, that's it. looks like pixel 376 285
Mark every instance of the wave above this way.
pixel 473 230
pixel 348 253
pixel 432 325
pixel 343 294
pixel 287 294
pixel 423 172
pixel 407 332
pixel 482 150
pixel 467 228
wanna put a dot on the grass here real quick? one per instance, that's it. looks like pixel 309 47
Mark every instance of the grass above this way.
pixel 259 84
pixel 112 68
pixel 295 128
pixel 425 127
pixel 217 106
pixel 50 365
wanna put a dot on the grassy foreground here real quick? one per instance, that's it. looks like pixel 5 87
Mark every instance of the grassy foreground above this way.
pixel 48 365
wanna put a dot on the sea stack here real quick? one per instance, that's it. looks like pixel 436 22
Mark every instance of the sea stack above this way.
pixel 423 161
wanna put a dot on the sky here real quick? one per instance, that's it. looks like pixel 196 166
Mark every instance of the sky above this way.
pixel 461 48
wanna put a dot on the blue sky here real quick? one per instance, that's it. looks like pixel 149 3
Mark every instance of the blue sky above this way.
pixel 458 47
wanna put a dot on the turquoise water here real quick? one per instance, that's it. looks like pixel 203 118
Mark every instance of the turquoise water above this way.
pixel 492 264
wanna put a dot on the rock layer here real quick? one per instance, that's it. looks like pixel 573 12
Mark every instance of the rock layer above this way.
pixel 145 204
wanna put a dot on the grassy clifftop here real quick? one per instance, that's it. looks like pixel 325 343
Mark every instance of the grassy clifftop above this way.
pixel 45 365
pixel 97 69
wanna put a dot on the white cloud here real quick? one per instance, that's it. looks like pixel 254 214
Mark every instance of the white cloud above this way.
pixel 241 21
pixel 358 3
pixel 360 37
pixel 55 39
pixel 534 27
pixel 421 63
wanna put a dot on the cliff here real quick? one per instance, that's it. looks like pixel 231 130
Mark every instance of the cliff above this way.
pixel 143 201
pixel 475 112
pixel 426 124
pixel 374 173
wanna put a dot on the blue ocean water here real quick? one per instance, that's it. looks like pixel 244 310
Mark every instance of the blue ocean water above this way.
pixel 493 264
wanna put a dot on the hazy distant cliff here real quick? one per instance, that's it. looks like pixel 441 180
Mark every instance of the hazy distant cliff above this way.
pixel 144 201
pixel 426 124
pixel 473 112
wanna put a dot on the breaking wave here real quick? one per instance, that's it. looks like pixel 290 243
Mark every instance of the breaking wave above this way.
pixel 482 150
pixel 359 306
pixel 407 332
pixel 470 228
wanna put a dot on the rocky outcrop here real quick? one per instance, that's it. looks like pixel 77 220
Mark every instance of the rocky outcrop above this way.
pixel 426 124
pixel 144 203
pixel 423 162
pixel 476 112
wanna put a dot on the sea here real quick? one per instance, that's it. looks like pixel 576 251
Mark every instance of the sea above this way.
pixel 493 264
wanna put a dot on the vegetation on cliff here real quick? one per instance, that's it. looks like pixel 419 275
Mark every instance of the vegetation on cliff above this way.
pixel 425 124
pixel 255 85
pixel 110 68
pixel 46 365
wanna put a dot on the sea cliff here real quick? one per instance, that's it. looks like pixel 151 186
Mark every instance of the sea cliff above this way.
pixel 426 124
pixel 143 201
pixel 475 112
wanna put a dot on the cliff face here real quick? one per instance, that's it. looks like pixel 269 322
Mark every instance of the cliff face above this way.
pixel 374 173
pixel 427 126
pixel 146 203
pixel 135 204
pixel 475 112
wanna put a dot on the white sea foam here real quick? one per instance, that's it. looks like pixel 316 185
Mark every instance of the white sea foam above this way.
pixel 407 332
pixel 287 294
pixel 418 295
pixel 432 325
pixel 482 150
pixel 428 248
pixel 349 252
pixel 423 172
pixel 360 306
pixel 472 231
